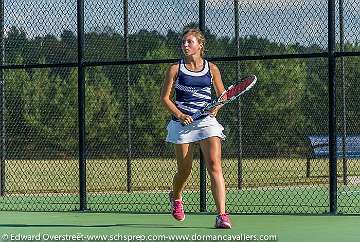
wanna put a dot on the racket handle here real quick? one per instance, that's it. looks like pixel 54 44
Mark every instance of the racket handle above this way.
pixel 196 115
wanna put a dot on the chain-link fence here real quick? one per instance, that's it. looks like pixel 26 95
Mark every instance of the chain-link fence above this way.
pixel 82 126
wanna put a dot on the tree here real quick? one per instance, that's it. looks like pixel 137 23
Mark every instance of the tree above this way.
pixel 50 110
pixel 104 117
pixel 274 116
pixel 289 101
pixel 16 45
pixel 17 131
pixel 149 116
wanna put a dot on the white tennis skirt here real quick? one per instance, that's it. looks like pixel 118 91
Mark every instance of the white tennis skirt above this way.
pixel 196 131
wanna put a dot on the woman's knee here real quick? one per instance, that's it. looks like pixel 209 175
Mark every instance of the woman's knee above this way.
pixel 184 171
pixel 214 167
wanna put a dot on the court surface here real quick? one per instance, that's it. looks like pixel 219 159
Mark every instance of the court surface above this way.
pixel 80 226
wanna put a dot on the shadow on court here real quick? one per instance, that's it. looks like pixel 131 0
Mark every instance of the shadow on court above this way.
pixel 133 225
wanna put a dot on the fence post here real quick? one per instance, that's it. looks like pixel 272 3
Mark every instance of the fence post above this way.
pixel 81 103
pixel 332 105
pixel 342 76
pixel 2 103
pixel 238 76
pixel 126 56
pixel 202 162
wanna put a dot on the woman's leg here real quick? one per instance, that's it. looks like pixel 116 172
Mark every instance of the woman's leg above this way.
pixel 211 149
pixel 184 157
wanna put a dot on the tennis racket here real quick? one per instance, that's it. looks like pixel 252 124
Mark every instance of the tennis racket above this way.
pixel 233 92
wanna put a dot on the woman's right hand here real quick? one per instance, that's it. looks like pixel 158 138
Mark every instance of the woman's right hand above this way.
pixel 185 119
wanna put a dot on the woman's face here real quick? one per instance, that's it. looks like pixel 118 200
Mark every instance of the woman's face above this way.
pixel 190 45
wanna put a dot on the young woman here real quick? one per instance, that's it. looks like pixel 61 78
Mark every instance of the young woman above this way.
pixel 191 80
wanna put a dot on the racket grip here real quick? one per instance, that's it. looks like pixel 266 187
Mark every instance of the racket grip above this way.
pixel 196 115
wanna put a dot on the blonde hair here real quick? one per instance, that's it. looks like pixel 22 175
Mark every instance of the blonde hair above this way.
pixel 198 35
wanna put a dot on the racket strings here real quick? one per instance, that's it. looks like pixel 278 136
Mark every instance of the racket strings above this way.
pixel 237 89
pixel 230 94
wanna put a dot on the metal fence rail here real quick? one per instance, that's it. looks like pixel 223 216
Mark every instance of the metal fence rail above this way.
pixel 82 128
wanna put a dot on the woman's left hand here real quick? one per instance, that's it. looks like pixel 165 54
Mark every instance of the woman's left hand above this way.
pixel 213 112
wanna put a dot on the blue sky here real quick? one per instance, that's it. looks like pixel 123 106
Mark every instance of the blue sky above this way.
pixel 285 21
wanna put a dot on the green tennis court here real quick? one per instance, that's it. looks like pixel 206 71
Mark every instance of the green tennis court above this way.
pixel 197 227
pixel 92 226
pixel 270 200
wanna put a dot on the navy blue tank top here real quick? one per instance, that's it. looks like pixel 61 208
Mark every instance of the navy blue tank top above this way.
pixel 192 89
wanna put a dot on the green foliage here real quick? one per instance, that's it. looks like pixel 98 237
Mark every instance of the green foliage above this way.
pixel 315 104
pixel 16 126
pixel 50 110
pixel 289 101
pixel 149 119
pixel 15 45
pixel 278 103
pixel 103 116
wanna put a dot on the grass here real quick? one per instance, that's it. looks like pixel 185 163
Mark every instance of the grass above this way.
pixel 289 200
pixel 61 176
pixel 269 186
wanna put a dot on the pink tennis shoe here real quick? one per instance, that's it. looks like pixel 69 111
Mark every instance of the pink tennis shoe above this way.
pixel 177 208
pixel 223 221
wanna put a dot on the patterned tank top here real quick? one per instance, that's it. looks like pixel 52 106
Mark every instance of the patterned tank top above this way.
pixel 192 89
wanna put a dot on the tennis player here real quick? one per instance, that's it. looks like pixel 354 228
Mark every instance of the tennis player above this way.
pixel 191 79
